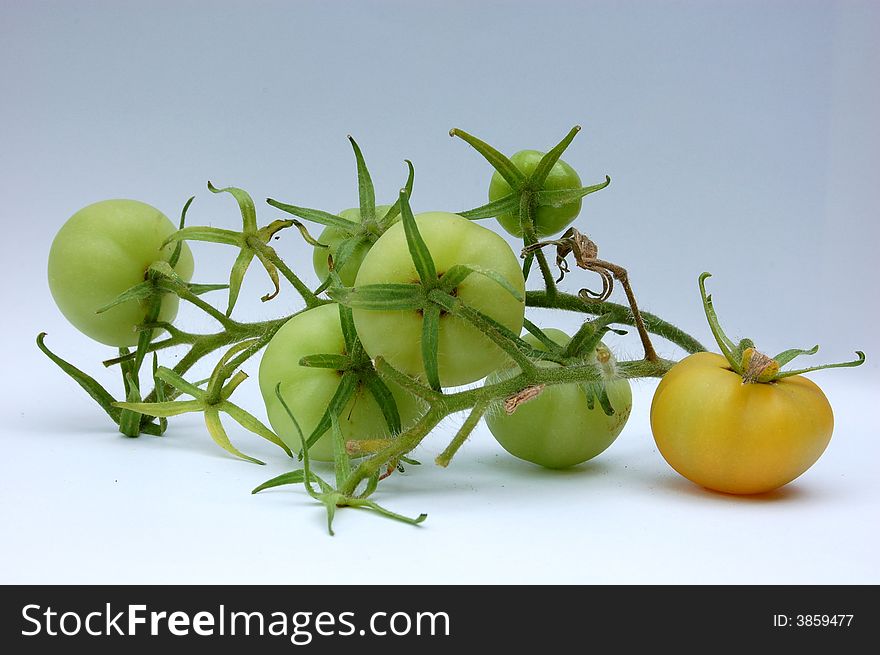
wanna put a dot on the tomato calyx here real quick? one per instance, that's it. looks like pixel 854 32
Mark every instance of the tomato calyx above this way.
pixel 357 374
pixel 752 365
pixel 211 401
pixel 527 192
pixel 529 186
pixel 373 223
pixel 584 348
pixel 252 241
pixel 433 295
pixel 333 498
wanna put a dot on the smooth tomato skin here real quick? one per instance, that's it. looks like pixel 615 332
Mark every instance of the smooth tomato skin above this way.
pixel 465 354
pixel 548 220
pixel 733 437
pixel 557 429
pixel 307 391
pixel 103 250
pixel 332 237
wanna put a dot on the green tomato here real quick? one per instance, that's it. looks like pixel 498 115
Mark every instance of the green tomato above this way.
pixel 103 250
pixel 465 354
pixel 557 429
pixel 548 220
pixel 308 391
pixel 333 236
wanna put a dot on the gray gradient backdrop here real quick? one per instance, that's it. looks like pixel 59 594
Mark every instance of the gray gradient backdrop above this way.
pixel 741 137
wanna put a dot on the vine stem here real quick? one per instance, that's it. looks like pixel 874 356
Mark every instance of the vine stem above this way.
pixel 463 433
pixel 527 208
pixel 618 314
pixel 208 308
pixel 484 397
pixel 206 344
pixel 404 443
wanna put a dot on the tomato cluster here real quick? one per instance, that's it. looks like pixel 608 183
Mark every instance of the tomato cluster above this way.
pixel 409 309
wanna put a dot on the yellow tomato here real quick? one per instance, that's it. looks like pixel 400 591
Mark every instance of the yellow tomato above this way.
pixel 735 437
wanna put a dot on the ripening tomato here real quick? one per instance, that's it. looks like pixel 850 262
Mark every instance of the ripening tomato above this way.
pixel 737 437
pixel 465 354
pixel 332 236
pixel 307 391
pixel 549 220
pixel 559 429
pixel 103 250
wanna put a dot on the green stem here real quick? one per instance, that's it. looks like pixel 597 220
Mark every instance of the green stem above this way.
pixel 463 433
pixel 216 314
pixel 405 442
pixel 619 313
pixel 527 207
pixel 208 343
pixel 484 397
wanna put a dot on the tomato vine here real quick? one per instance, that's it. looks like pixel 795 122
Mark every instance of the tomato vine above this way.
pixel 355 481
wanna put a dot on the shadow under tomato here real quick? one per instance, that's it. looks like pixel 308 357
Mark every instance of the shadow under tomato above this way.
pixel 517 467
pixel 791 492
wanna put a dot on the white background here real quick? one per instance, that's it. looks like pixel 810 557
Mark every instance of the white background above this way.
pixel 741 138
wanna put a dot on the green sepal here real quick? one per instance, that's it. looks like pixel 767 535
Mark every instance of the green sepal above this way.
pixel 394 211
pixel 252 424
pixel 173 379
pixel 588 336
pixel 505 205
pixel 341 460
pixel 307 237
pixel 327 360
pixel 236 277
pixel 458 273
pixel 380 297
pixel 91 386
pixel 292 477
pixel 860 359
pixel 349 333
pixel 384 398
pixel 164 409
pixel 559 197
pixel 366 192
pixel 245 204
pixel 786 356
pixel 218 434
pixel 346 389
pixel 548 161
pixel 431 344
pixel 506 168
pixel 418 249
pixel 139 292
pixel 317 216
pixel 344 251
pixel 175 254
pixel 201 289
pixel 159 391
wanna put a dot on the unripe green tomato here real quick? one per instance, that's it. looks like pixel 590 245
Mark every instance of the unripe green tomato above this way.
pixel 333 236
pixel 557 429
pixel 103 250
pixel 548 220
pixel 307 390
pixel 464 353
